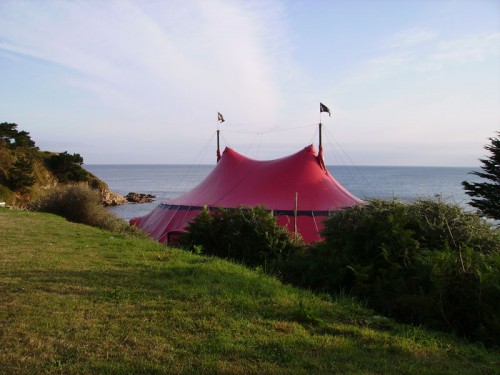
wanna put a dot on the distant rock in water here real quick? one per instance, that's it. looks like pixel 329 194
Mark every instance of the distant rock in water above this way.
pixel 140 198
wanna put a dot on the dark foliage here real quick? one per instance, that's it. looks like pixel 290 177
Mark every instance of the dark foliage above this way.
pixel 20 174
pixel 464 296
pixel 67 167
pixel 7 132
pixel 486 195
pixel 23 139
pixel 13 138
pixel 248 235
pixel 427 263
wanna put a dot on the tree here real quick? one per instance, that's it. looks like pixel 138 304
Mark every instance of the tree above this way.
pixel 21 174
pixel 67 167
pixel 7 132
pixel 14 138
pixel 23 139
pixel 487 194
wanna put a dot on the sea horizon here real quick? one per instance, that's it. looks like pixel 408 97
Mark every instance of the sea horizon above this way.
pixel 406 183
pixel 477 167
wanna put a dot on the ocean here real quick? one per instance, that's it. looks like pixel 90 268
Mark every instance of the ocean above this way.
pixel 405 183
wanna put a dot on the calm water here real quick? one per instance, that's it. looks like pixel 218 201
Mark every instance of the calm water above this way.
pixel 170 181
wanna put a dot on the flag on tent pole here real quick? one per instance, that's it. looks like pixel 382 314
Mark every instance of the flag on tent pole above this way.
pixel 324 108
pixel 220 118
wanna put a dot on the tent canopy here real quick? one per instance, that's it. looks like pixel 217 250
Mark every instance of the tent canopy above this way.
pixel 276 184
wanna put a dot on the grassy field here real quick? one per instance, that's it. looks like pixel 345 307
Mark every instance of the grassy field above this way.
pixel 75 299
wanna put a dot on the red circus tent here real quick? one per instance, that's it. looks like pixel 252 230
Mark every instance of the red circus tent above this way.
pixel 300 179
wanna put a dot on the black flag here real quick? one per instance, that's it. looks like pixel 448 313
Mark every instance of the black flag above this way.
pixel 220 118
pixel 324 108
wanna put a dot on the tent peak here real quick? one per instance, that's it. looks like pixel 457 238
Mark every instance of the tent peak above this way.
pixel 309 149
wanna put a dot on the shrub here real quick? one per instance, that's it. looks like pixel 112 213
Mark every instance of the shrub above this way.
pixel 464 296
pixel 248 235
pixel 426 262
pixel 67 167
pixel 80 204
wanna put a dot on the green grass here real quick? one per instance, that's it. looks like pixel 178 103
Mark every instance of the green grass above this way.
pixel 75 299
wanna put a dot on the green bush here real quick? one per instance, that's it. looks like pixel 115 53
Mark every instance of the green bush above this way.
pixel 67 167
pixel 464 296
pixel 248 235
pixel 81 204
pixel 426 262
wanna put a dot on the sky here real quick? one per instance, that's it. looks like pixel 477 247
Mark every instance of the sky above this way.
pixel 410 83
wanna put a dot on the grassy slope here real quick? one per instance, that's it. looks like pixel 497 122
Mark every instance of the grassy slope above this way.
pixel 75 299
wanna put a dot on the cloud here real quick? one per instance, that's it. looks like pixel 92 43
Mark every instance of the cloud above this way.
pixel 160 57
pixel 476 47
pixel 410 37
pixel 150 76
pixel 417 51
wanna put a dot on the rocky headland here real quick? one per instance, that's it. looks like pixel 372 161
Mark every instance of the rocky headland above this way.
pixel 27 173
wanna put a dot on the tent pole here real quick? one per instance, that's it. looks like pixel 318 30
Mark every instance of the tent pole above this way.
pixel 320 150
pixel 295 214
pixel 320 137
pixel 218 146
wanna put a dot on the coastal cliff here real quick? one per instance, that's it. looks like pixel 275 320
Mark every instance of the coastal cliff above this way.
pixel 26 173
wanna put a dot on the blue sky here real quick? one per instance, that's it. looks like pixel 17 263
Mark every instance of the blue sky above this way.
pixel 413 82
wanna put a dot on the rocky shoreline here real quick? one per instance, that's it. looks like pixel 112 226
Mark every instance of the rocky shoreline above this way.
pixel 26 173
pixel 114 199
